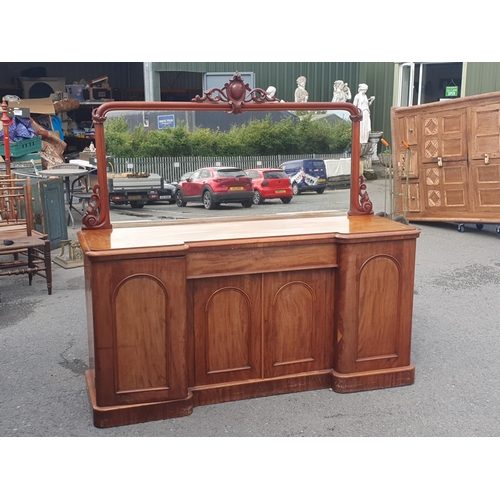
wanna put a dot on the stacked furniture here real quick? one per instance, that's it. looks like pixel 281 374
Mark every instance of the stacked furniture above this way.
pixel 23 250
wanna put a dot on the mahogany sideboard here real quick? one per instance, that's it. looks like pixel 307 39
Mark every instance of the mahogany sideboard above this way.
pixel 189 313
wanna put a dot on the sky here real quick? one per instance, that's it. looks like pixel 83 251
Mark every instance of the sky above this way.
pixel 269 31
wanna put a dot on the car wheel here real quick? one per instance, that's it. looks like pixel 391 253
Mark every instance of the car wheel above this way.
pixel 286 200
pixel 295 189
pixel 208 201
pixel 137 204
pixel 320 191
pixel 401 219
pixel 247 204
pixel 257 198
pixel 178 199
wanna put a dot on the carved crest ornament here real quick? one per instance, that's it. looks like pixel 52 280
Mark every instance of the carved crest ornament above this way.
pixel 234 97
pixel 236 93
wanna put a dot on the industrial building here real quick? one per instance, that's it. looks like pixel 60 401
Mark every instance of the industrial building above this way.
pixel 392 83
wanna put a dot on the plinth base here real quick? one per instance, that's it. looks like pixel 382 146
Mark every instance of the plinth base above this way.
pixel 376 379
pixel 222 393
pixel 115 416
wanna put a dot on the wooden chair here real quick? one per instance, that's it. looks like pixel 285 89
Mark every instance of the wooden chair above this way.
pixel 23 250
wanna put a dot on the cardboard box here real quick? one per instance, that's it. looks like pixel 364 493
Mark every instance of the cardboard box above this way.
pixel 97 94
pixel 43 106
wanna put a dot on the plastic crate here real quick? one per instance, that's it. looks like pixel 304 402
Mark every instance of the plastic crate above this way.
pixel 36 158
pixel 23 147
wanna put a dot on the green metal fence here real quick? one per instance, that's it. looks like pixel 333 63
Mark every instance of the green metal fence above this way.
pixel 171 169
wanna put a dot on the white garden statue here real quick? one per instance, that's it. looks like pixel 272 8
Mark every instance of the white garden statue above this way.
pixel 301 94
pixel 341 91
pixel 271 92
pixel 363 103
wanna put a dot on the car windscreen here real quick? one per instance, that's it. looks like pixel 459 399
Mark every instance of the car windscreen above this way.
pixel 230 173
pixel 275 175
pixel 316 166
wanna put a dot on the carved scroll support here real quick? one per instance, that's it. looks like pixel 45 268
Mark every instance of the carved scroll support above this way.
pixel 360 203
pixel 97 215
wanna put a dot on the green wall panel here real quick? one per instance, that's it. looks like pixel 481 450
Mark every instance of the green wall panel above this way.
pixel 283 75
pixel 482 77
pixel 379 76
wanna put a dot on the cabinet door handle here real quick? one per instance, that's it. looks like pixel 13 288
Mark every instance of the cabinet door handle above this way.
pixel 440 162
pixel 486 159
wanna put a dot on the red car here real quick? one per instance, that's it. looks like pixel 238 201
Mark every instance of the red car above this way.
pixel 269 183
pixel 215 185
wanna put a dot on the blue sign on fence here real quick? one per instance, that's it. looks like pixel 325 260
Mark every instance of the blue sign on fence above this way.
pixel 166 121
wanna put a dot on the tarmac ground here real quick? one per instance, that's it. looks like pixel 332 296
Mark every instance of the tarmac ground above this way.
pixel 455 349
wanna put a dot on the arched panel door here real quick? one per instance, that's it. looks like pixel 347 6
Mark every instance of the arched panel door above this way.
pixel 141 353
pixel 227 338
pixel 140 357
pixel 298 321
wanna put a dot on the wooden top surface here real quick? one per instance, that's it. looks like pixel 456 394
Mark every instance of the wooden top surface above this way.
pixel 198 231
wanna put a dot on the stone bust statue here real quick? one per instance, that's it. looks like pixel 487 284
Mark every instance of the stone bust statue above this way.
pixel 271 93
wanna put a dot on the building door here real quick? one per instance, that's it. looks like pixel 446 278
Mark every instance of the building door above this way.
pixel 420 83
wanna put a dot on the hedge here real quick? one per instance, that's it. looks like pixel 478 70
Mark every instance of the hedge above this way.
pixel 256 138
